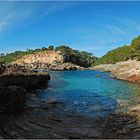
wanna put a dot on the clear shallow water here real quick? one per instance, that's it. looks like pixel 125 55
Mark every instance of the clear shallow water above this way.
pixel 90 92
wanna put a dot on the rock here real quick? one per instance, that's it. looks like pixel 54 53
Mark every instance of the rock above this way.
pixel 122 102
pixel 12 99
pixel 53 101
pixel 52 60
pixel 103 67
pixel 53 66
pixel 2 68
pixel 41 59
pixel 125 70
pixel 27 81
pixel 65 66
pixel 135 111
pixel 14 69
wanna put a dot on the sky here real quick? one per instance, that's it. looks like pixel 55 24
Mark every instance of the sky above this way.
pixel 93 26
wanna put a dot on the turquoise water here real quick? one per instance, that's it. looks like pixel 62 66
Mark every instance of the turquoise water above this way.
pixel 89 92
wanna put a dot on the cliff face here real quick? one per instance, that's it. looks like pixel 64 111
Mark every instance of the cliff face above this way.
pixel 48 57
pixel 125 70
pixel 53 60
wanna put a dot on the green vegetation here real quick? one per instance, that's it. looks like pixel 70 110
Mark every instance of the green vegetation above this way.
pixel 81 58
pixel 123 53
pixel 8 58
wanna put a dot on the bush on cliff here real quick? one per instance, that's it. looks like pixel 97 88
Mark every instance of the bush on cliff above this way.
pixel 123 53
pixel 81 58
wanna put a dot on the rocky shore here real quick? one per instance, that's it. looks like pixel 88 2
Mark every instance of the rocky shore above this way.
pixel 125 70
pixel 53 66
pixel 40 120
pixel 43 123
pixel 15 83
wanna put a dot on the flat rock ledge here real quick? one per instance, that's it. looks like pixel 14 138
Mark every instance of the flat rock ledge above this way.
pixel 15 83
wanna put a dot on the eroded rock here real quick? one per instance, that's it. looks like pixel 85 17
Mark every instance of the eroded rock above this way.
pixel 125 70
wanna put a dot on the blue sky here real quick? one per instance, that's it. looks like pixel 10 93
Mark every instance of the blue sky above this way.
pixel 95 27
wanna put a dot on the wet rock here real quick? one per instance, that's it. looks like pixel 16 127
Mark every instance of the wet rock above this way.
pixel 53 101
pixel 122 102
pixel 95 107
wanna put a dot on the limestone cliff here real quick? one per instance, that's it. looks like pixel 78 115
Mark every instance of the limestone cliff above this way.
pixel 53 60
pixel 46 57
pixel 125 70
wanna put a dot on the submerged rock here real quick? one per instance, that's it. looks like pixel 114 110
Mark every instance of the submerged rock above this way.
pixel 53 101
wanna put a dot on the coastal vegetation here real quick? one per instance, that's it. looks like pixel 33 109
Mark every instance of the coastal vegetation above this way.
pixel 81 58
pixel 123 53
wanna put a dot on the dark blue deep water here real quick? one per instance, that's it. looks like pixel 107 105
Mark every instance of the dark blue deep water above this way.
pixel 89 92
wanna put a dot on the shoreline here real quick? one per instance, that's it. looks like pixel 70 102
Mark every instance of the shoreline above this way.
pixel 34 122
pixel 125 70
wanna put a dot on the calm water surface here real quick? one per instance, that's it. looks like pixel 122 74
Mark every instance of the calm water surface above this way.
pixel 90 92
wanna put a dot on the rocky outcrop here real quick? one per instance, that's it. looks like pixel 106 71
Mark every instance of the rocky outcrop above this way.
pixel 54 66
pixel 46 57
pixel 126 70
pixel 23 80
pixel 14 70
pixel 135 111
pixel 103 67
pixel 15 83
pixel 65 66
pixel 51 60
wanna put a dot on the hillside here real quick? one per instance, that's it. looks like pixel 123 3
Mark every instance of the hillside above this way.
pixel 123 53
pixel 49 56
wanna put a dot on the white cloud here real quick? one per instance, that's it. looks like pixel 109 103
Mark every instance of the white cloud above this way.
pixel 13 14
pixel 117 30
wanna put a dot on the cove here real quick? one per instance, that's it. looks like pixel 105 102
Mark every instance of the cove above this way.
pixel 89 92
